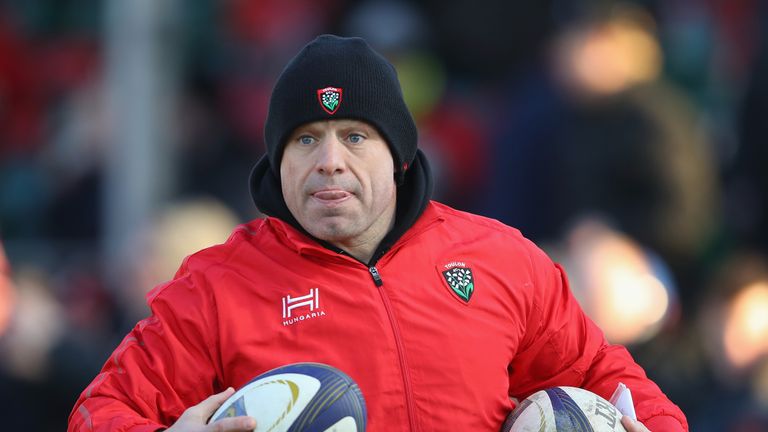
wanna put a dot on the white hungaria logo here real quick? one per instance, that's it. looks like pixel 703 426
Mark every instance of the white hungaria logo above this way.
pixel 296 309
pixel 329 98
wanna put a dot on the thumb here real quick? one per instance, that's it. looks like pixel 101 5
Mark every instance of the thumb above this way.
pixel 208 406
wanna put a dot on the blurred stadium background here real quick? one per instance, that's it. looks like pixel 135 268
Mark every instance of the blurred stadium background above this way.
pixel 628 138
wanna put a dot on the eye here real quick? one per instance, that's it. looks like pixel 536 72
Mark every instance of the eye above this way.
pixel 306 140
pixel 355 138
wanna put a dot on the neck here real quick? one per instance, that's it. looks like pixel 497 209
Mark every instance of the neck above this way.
pixel 362 253
pixel 364 246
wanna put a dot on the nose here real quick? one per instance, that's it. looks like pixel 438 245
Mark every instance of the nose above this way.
pixel 330 157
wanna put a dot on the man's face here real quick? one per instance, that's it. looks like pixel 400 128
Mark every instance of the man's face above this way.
pixel 338 182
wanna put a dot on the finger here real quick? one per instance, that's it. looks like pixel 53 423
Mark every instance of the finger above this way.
pixel 205 408
pixel 632 425
pixel 234 424
pixel 628 424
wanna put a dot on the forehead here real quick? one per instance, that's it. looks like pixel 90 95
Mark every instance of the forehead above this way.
pixel 336 124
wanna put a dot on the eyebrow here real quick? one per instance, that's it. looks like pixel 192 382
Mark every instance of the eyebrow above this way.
pixel 356 126
pixel 306 128
pixel 344 124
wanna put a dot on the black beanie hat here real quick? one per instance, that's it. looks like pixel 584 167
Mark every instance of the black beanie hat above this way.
pixel 340 78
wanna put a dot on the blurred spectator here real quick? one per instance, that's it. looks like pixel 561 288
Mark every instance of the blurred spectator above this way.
pixel 607 135
pixel 732 328
pixel 734 324
pixel 491 42
pixel 451 131
pixel 7 293
pixel 46 51
pixel 640 160
pixel 180 229
pixel 748 199
pixel 75 156
pixel 456 140
pixel 623 287
pixel 25 348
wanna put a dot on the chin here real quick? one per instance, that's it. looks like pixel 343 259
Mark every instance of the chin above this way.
pixel 332 234
pixel 330 229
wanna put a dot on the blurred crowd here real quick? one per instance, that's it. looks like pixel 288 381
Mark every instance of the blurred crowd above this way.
pixel 627 138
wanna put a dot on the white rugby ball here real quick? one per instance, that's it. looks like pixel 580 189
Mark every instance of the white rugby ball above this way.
pixel 564 409
pixel 300 397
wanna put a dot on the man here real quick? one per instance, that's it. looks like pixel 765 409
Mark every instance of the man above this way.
pixel 440 316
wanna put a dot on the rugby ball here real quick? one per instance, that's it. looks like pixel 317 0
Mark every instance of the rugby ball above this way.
pixel 299 397
pixel 564 409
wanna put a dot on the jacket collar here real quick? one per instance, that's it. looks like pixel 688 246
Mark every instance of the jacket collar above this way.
pixel 413 195
pixel 304 244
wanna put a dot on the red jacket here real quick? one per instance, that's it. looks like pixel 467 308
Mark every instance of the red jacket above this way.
pixel 425 359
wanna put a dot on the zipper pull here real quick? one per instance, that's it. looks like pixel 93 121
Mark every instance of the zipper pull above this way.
pixel 376 276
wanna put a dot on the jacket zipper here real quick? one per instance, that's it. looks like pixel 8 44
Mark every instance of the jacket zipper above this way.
pixel 376 276
pixel 400 348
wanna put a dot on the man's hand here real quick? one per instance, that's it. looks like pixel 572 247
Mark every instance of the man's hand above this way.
pixel 633 425
pixel 194 418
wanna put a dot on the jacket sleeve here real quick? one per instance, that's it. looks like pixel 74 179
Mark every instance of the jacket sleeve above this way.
pixel 162 367
pixel 563 347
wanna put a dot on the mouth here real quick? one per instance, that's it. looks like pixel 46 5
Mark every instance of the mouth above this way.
pixel 331 196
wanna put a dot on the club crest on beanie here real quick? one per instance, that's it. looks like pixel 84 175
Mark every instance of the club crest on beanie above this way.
pixel 340 78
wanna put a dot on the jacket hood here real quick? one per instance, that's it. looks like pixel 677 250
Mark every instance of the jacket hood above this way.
pixel 413 195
